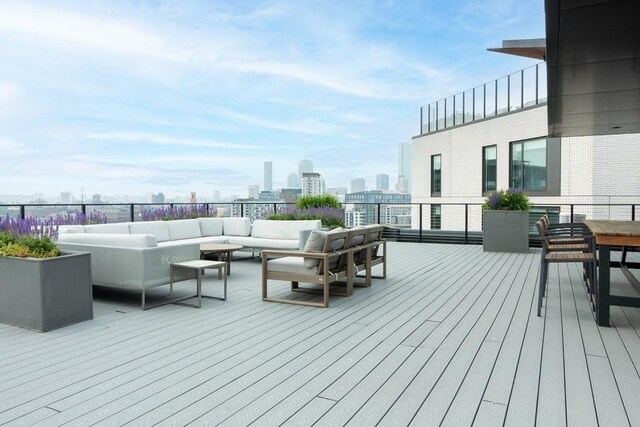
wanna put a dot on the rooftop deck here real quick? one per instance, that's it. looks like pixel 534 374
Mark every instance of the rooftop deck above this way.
pixel 450 337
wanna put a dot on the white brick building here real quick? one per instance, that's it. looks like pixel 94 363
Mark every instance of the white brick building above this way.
pixel 579 170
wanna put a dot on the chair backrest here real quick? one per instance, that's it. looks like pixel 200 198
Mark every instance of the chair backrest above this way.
pixel 336 241
pixel 542 231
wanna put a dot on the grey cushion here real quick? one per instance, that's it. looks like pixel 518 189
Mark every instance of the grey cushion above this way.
pixel 315 244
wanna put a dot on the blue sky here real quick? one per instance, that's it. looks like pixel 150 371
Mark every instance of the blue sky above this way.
pixel 138 97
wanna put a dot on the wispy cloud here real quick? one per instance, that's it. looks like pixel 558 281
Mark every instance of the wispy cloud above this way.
pixel 164 140
pixel 91 32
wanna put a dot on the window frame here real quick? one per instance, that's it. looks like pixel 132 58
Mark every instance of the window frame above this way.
pixel 434 206
pixel 433 192
pixel 485 190
pixel 547 190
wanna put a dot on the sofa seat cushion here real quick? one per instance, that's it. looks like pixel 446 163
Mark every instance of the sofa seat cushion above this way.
pixel 211 226
pixel 236 226
pixel 270 229
pixel 256 243
pixel 183 229
pixel 290 264
pixel 157 228
pixel 115 228
pixel 120 240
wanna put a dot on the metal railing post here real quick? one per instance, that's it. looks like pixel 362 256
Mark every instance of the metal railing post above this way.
pixel 83 209
pixel 378 222
pixel 22 211
pixel 633 212
pixel 571 216
pixel 132 216
pixel 466 223
pixel 420 221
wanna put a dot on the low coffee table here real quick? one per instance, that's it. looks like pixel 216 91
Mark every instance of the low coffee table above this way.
pixel 223 250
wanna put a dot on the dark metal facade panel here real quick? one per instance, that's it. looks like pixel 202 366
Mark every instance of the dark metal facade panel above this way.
pixel 593 67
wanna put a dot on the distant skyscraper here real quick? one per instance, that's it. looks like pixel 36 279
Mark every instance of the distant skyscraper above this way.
pixel 312 184
pixel 304 166
pixel 254 191
pixel 382 181
pixel 404 166
pixel 292 181
pixel 358 185
pixel 268 176
pixel 193 199
pixel 157 198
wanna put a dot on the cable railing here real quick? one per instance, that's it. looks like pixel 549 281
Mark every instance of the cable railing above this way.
pixel 411 222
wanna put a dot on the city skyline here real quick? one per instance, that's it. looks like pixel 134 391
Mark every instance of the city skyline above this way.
pixel 193 97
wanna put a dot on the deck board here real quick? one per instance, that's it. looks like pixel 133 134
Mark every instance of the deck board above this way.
pixel 451 336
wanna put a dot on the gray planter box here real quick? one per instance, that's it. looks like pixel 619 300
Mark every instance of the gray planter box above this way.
pixel 46 294
pixel 505 231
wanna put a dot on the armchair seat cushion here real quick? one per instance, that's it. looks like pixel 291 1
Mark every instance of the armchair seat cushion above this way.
pixel 290 264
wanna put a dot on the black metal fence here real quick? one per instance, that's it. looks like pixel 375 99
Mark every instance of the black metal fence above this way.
pixel 457 223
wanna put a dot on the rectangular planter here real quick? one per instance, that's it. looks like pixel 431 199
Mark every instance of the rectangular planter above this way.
pixel 46 294
pixel 505 231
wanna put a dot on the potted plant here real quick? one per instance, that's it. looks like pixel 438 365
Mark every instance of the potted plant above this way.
pixel 41 288
pixel 505 221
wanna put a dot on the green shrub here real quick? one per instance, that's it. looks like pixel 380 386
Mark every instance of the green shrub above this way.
pixel 320 201
pixel 511 200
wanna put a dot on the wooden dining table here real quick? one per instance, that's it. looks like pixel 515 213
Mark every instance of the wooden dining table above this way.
pixel 610 233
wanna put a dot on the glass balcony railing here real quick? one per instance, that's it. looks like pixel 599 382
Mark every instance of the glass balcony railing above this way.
pixel 522 89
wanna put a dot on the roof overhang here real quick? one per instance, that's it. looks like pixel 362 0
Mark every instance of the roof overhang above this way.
pixel 529 48
pixel 593 67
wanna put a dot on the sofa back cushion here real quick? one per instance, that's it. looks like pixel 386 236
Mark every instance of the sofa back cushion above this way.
pixel 157 228
pixel 115 228
pixel 236 226
pixel 110 239
pixel 269 229
pixel 63 229
pixel 183 229
pixel 211 226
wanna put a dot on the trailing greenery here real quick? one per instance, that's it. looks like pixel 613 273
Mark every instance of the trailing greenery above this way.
pixel 320 201
pixel 510 200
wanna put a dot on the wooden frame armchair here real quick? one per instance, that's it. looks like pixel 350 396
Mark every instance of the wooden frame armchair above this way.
pixel 334 263
pixel 372 252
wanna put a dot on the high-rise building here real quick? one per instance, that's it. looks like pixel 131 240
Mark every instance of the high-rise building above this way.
pixel 382 181
pixel 292 180
pixel 312 184
pixel 254 191
pixel 268 176
pixel 193 198
pixel 290 195
pixel 157 198
pixel 358 185
pixel 304 166
pixel 404 166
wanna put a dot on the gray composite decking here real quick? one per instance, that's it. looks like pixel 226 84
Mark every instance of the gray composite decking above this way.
pixel 449 338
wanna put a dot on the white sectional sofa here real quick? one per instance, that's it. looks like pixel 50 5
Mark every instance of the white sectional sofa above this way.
pixel 138 254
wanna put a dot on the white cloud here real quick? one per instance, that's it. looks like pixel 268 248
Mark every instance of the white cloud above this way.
pixel 164 140
pixel 53 25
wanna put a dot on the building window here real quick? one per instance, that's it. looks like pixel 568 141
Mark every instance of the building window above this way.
pixel 489 162
pixel 529 165
pixel 436 175
pixel 436 217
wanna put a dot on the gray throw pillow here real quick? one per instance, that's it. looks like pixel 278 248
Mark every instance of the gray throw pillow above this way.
pixel 315 244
